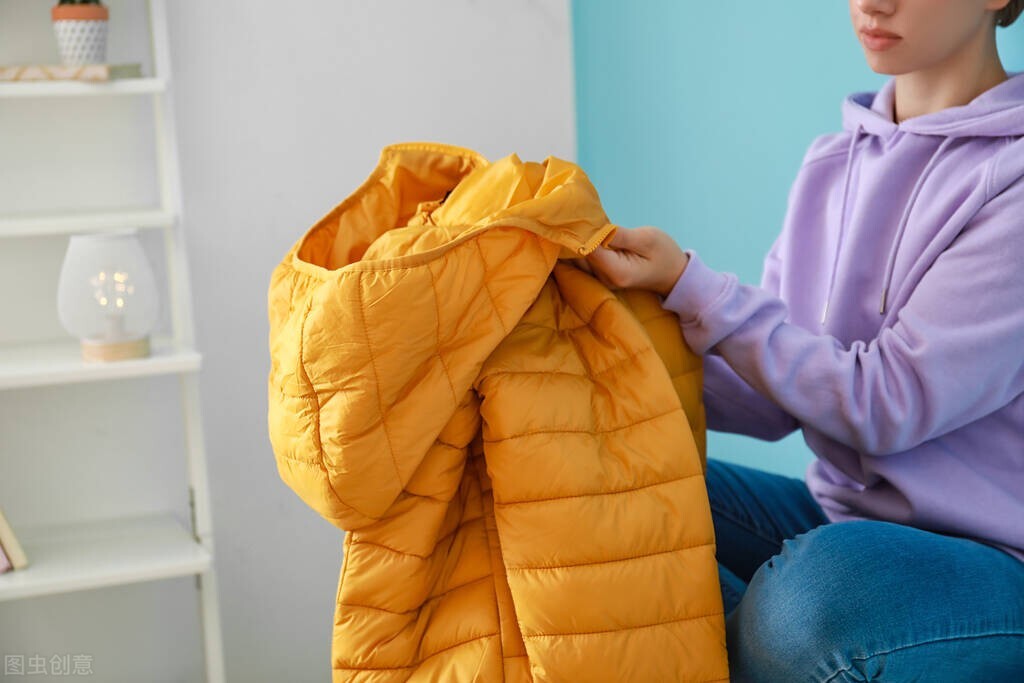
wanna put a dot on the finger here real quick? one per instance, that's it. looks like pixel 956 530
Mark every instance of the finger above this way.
pixel 612 266
pixel 602 277
pixel 584 265
pixel 623 238
pixel 603 258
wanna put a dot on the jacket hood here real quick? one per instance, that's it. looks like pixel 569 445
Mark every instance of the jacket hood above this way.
pixel 996 113
pixel 423 199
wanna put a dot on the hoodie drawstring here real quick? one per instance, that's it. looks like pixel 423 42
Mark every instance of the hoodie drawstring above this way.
pixel 842 218
pixel 891 261
pixel 903 221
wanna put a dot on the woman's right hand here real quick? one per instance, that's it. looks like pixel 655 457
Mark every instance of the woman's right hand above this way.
pixel 644 257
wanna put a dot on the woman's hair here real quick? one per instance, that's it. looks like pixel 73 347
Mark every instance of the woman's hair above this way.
pixel 1009 14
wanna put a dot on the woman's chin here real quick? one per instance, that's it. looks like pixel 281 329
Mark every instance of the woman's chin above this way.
pixel 882 65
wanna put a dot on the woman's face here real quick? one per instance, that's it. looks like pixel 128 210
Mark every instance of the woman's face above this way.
pixel 931 32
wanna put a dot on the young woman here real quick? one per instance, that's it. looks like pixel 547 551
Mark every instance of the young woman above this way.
pixel 889 328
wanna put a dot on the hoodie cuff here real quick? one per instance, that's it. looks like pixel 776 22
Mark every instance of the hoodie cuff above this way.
pixel 696 290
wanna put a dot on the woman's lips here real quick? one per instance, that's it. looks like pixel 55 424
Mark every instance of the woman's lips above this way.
pixel 878 42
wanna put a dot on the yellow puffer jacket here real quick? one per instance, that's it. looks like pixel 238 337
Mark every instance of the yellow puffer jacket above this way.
pixel 516 451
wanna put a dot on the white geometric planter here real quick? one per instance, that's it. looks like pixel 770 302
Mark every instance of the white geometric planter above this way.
pixel 81 32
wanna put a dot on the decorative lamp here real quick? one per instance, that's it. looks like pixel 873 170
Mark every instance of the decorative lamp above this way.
pixel 107 295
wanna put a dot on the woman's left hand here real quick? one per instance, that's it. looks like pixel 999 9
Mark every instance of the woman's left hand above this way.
pixel 643 258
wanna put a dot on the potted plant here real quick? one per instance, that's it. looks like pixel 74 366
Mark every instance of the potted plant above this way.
pixel 81 30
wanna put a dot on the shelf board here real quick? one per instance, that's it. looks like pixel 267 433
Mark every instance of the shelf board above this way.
pixel 70 557
pixel 122 86
pixel 69 222
pixel 43 363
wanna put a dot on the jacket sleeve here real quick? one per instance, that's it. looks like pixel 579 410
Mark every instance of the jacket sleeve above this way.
pixel 731 404
pixel 952 356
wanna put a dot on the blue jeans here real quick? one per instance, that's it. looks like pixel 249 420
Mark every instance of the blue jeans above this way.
pixel 809 600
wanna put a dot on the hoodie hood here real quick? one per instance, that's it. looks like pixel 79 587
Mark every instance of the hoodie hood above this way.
pixel 996 113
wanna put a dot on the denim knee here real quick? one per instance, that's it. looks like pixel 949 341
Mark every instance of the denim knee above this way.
pixel 839 599
pixel 797 607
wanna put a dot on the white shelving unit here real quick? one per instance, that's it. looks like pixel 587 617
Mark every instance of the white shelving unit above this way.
pixel 119 551
pixel 106 553
pixel 27 225
pixel 125 86
pixel 44 363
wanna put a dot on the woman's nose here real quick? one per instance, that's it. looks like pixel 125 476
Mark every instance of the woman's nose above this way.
pixel 872 7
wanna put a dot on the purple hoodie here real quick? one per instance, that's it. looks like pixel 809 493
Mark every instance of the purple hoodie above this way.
pixel 889 323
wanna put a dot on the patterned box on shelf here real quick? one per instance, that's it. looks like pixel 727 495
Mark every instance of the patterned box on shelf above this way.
pixel 62 72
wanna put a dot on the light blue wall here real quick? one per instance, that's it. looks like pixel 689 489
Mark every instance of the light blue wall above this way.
pixel 694 116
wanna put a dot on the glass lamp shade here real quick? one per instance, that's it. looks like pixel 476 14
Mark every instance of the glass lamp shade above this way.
pixel 107 295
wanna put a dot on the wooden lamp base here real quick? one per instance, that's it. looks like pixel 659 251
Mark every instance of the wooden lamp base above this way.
pixel 97 352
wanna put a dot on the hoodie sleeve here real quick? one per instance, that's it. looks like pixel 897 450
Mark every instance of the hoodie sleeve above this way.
pixel 731 404
pixel 952 356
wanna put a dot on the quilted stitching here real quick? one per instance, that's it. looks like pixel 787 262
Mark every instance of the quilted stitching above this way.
pixel 516 453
